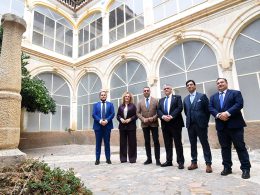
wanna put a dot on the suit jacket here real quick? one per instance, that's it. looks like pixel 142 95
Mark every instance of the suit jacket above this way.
pixel 131 113
pixel 233 103
pixel 143 112
pixel 198 111
pixel 96 114
pixel 175 111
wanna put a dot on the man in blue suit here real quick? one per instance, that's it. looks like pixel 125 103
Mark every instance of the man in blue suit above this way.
pixel 196 109
pixel 225 106
pixel 103 114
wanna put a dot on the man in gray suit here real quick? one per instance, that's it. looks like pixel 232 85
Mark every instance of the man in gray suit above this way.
pixel 147 113
pixel 197 117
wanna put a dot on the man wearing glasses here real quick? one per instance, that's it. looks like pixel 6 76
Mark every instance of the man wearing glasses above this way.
pixel 169 111
pixel 147 113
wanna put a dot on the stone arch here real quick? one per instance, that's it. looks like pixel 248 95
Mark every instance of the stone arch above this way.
pixel 83 72
pixel 237 26
pixel 108 4
pixel 59 71
pixel 208 38
pixel 87 14
pixel 136 56
pixel 33 4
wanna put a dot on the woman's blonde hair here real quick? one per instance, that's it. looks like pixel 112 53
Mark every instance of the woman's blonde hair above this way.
pixel 131 97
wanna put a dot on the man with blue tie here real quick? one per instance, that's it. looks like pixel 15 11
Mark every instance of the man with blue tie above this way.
pixel 169 111
pixel 103 114
pixel 225 106
pixel 196 109
pixel 147 113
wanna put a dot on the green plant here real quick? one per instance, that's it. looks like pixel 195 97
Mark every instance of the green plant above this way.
pixel 35 177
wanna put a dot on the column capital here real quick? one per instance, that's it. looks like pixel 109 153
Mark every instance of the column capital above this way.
pixel 13 18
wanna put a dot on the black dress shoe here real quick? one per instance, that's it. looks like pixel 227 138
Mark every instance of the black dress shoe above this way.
pixel 97 162
pixel 180 166
pixel 166 164
pixel 226 172
pixel 158 163
pixel 246 174
pixel 147 162
pixel 108 161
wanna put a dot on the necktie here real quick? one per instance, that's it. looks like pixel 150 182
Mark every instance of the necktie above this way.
pixel 103 111
pixel 221 99
pixel 191 98
pixel 147 103
pixel 166 105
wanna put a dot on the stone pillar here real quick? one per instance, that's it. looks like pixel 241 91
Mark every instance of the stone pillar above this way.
pixel 10 81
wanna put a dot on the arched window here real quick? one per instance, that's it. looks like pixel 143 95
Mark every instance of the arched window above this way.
pixel 125 18
pixel 128 76
pixel 60 92
pixel 247 62
pixel 189 60
pixel 88 94
pixel 165 8
pixel 52 31
pixel 90 34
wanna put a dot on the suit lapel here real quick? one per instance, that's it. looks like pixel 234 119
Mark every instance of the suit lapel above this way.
pixel 217 101
pixel 226 97
pixel 195 100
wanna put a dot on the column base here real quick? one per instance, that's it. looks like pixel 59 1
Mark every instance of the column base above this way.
pixel 10 157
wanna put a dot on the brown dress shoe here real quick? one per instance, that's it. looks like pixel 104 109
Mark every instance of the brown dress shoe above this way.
pixel 193 166
pixel 208 169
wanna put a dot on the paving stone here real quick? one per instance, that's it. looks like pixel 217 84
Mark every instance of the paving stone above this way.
pixel 126 178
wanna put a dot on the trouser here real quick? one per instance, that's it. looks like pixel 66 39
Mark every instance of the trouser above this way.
pixel 155 135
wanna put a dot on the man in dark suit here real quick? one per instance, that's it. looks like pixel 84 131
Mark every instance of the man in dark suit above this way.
pixel 103 113
pixel 225 106
pixel 169 111
pixel 196 109
pixel 147 113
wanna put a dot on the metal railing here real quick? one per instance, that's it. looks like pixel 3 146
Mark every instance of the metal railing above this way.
pixel 75 5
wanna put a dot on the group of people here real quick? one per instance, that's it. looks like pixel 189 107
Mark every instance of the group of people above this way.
pixel 225 106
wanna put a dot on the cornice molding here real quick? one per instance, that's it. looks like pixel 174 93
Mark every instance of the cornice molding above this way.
pixel 47 57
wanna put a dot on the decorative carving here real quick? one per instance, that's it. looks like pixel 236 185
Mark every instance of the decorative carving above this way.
pixel 179 36
pixel 152 80
pixel 55 69
pixel 226 64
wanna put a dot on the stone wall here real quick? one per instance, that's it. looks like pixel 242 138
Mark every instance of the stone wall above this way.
pixel 45 139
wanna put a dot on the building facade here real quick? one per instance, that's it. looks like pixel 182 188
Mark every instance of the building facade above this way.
pixel 124 45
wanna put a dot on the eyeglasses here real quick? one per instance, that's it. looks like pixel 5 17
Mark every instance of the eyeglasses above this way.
pixel 166 88
pixel 146 90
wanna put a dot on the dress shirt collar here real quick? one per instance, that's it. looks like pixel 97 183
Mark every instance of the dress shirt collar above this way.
pixel 193 94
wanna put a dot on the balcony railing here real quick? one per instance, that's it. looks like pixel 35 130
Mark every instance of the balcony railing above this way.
pixel 74 5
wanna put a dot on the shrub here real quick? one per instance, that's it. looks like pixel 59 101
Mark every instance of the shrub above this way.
pixel 34 177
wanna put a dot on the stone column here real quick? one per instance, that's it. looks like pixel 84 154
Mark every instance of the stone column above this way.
pixel 10 81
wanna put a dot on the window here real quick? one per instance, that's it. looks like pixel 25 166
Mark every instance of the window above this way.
pixel 128 76
pixel 165 8
pixel 125 18
pixel 88 94
pixel 60 92
pixel 189 60
pixel 90 35
pixel 52 31
pixel 247 58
